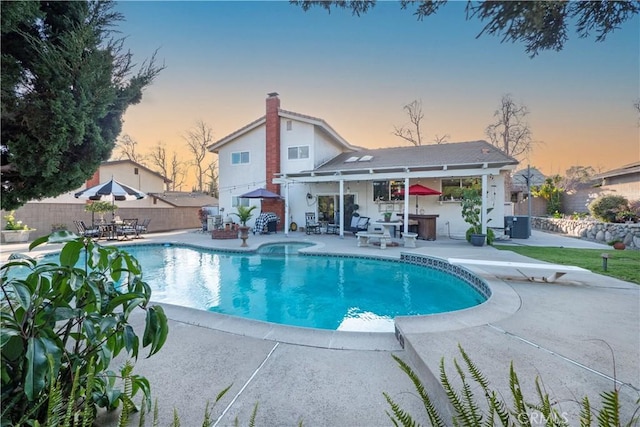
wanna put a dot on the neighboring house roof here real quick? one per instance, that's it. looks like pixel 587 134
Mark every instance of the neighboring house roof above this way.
pixel 519 179
pixel 319 123
pixel 460 155
pixel 624 170
pixel 138 165
pixel 185 199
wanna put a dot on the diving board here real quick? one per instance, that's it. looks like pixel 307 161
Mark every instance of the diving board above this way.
pixel 557 269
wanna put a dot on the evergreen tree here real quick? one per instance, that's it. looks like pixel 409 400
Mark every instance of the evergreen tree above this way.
pixel 540 25
pixel 66 84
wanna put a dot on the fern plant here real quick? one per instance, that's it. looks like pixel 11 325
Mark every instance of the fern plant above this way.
pixel 467 409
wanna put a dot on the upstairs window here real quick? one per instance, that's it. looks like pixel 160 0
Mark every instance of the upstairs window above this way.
pixel 240 157
pixel 301 152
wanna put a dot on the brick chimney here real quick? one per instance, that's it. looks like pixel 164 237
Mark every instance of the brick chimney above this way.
pixel 272 155
pixel 94 180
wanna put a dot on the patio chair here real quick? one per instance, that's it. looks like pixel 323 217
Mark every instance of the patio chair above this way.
pixel 311 225
pixel 334 227
pixel 85 231
pixel 143 227
pixel 359 223
pixel 129 227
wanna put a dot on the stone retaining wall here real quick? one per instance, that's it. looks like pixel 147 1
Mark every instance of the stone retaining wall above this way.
pixel 602 232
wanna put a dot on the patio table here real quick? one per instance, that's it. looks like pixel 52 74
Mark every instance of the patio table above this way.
pixel 386 229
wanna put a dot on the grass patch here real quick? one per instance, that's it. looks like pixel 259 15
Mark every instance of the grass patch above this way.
pixel 623 265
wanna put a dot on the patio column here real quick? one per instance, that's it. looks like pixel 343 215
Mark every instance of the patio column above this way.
pixel 483 212
pixel 341 207
pixel 405 218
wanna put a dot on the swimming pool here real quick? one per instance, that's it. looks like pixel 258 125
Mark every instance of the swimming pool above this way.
pixel 277 284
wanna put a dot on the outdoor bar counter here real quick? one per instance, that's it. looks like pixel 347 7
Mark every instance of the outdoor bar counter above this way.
pixel 426 226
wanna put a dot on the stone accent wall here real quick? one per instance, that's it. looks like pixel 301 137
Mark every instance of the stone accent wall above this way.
pixel 602 232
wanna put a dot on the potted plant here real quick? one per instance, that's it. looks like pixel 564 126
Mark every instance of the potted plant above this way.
pixel 202 216
pixel 58 227
pixel 471 213
pixel 244 214
pixel 100 207
pixel 15 231
pixel 387 216
pixel 617 244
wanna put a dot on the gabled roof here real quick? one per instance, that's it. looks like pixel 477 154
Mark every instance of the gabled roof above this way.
pixel 519 178
pixel 460 155
pixel 236 134
pixel 319 123
pixel 624 170
pixel 138 165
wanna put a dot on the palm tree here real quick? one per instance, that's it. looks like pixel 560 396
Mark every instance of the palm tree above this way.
pixel 244 214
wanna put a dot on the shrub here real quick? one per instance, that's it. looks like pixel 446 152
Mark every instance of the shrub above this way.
pixel 472 215
pixel 634 206
pixel 551 192
pixel 62 324
pixel 625 216
pixel 578 215
pixel 12 224
pixel 607 207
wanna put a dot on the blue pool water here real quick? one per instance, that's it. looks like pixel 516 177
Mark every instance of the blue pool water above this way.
pixel 278 285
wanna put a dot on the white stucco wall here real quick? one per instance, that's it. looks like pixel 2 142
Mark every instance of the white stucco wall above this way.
pixel 448 223
pixel 124 173
pixel 301 134
pixel 235 180
pixel 325 148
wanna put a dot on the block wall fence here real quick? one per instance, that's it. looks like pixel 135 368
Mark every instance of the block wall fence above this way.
pixel 42 216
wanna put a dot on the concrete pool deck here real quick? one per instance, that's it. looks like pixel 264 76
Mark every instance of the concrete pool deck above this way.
pixel 567 332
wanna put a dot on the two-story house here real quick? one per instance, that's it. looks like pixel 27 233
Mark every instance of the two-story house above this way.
pixel 315 170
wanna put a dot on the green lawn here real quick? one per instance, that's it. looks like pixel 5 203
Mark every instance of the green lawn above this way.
pixel 624 265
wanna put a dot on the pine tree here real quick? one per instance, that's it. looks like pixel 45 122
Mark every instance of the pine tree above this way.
pixel 66 84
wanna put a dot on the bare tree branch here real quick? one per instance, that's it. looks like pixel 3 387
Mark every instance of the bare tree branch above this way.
pixel 174 170
pixel 411 132
pixel 198 139
pixel 212 178
pixel 178 172
pixel 126 146
pixel 441 139
pixel 511 133
pixel 158 158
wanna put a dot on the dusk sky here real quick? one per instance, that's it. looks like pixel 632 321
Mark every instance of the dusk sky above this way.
pixel 357 73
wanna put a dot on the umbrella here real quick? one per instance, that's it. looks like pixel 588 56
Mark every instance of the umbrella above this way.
pixel 420 190
pixel 111 190
pixel 260 193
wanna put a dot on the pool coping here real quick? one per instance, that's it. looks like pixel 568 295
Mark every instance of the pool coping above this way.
pixel 503 302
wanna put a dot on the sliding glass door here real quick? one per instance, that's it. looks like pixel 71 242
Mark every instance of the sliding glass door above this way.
pixel 328 208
